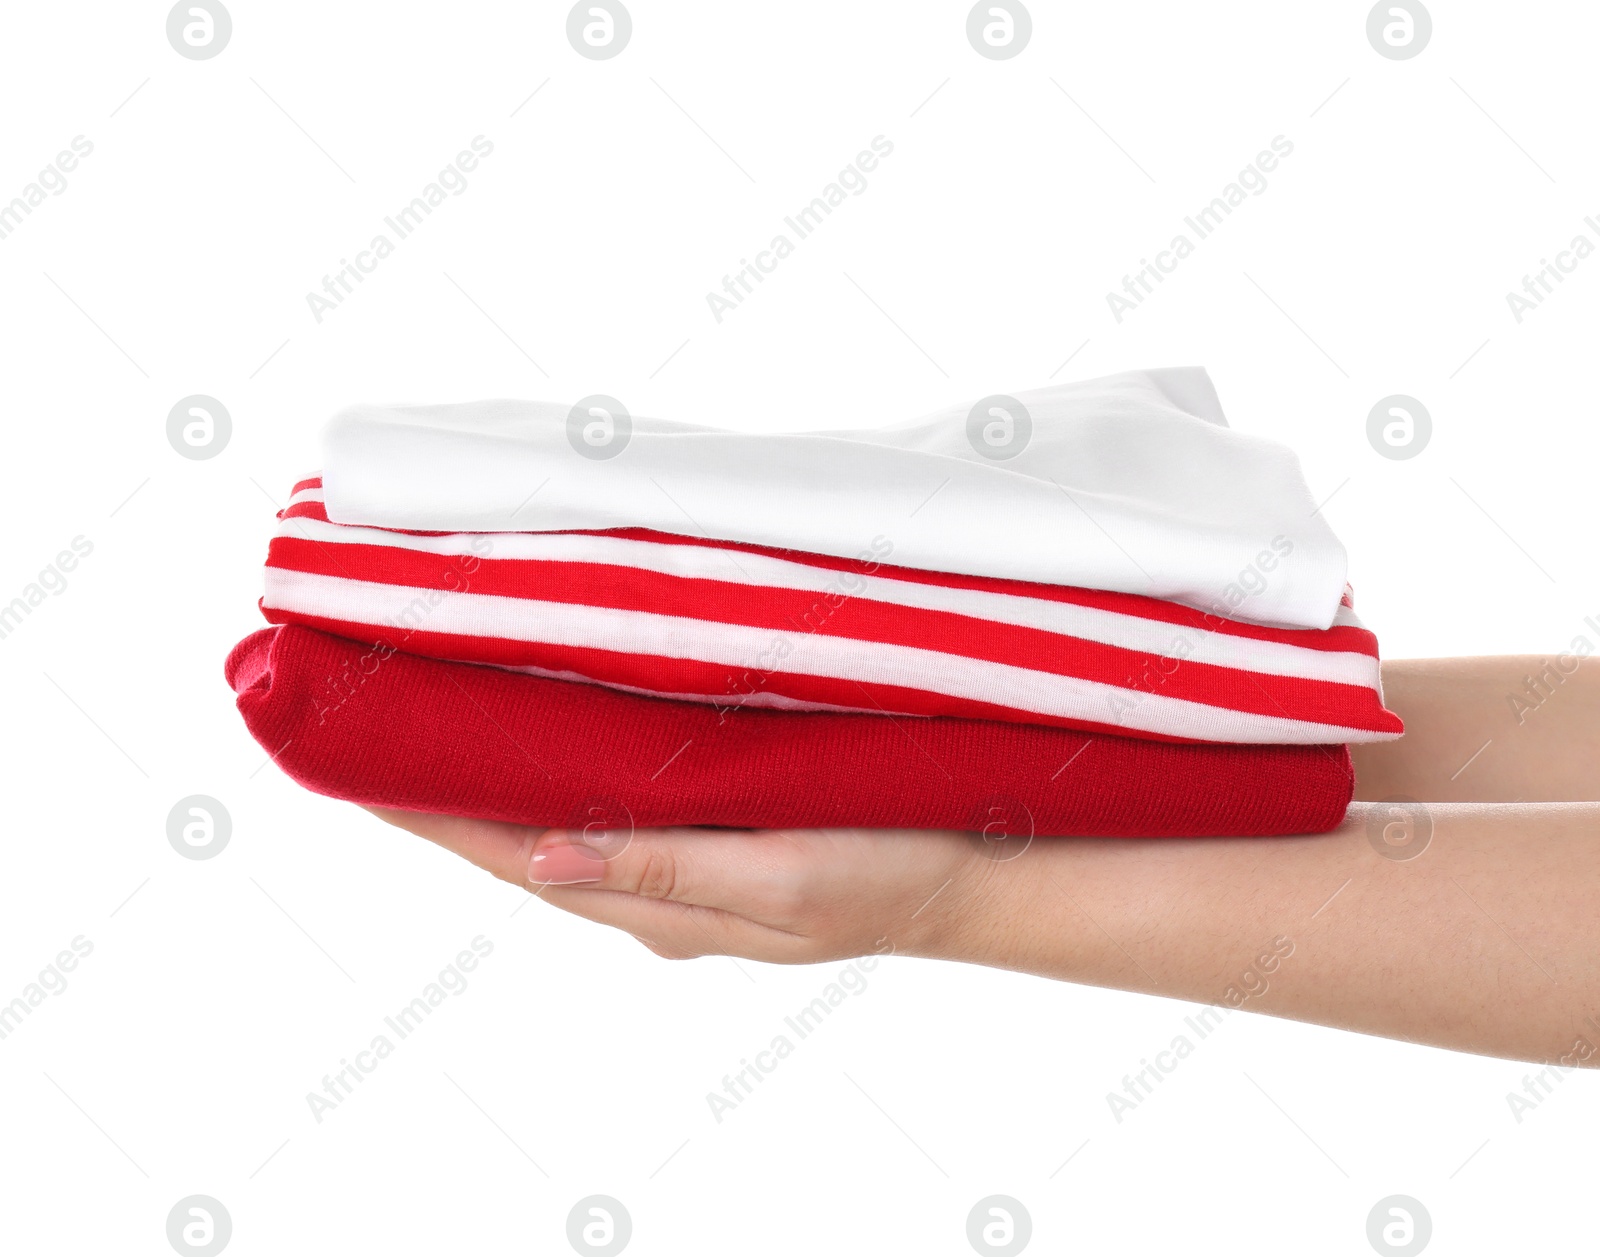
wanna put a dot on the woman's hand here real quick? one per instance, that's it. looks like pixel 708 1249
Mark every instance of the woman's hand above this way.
pixel 1480 935
pixel 786 896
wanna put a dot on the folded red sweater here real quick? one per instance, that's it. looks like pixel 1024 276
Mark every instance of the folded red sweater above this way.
pixel 381 727
pixel 739 625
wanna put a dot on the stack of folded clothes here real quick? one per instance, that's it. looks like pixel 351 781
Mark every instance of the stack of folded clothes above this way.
pixel 1123 619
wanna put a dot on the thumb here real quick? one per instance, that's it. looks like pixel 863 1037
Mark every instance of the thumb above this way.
pixel 746 872
pixel 736 870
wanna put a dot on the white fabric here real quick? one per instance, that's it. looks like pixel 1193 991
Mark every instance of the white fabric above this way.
pixel 1132 482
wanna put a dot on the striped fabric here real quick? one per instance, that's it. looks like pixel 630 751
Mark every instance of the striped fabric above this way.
pixel 742 625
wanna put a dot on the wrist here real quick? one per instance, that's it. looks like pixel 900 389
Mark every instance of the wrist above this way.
pixel 992 912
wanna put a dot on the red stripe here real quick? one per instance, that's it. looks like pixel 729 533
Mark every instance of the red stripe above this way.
pixel 1343 638
pixel 1136 605
pixel 854 618
pixel 661 675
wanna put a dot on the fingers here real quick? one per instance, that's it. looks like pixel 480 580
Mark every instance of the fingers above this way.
pixel 777 895
pixel 678 931
pixel 494 846
pixel 678 891
pixel 738 871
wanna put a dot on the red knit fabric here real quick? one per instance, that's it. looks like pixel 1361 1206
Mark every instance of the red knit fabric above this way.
pixel 402 731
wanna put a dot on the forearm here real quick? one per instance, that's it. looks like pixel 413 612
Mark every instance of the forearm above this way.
pixel 1491 729
pixel 1485 942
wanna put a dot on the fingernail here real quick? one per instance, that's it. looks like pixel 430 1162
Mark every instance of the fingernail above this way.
pixel 563 863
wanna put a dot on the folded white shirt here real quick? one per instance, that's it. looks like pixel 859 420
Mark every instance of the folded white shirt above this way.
pixel 1132 483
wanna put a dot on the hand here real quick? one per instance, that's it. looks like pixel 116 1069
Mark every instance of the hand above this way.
pixel 784 896
pixel 1485 941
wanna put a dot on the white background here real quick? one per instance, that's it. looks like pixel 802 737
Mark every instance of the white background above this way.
pixel 177 261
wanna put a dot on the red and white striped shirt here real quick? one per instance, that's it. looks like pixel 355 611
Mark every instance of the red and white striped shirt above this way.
pixel 734 624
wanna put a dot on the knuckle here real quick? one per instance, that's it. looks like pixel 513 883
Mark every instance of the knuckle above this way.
pixel 788 891
pixel 785 896
pixel 658 875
